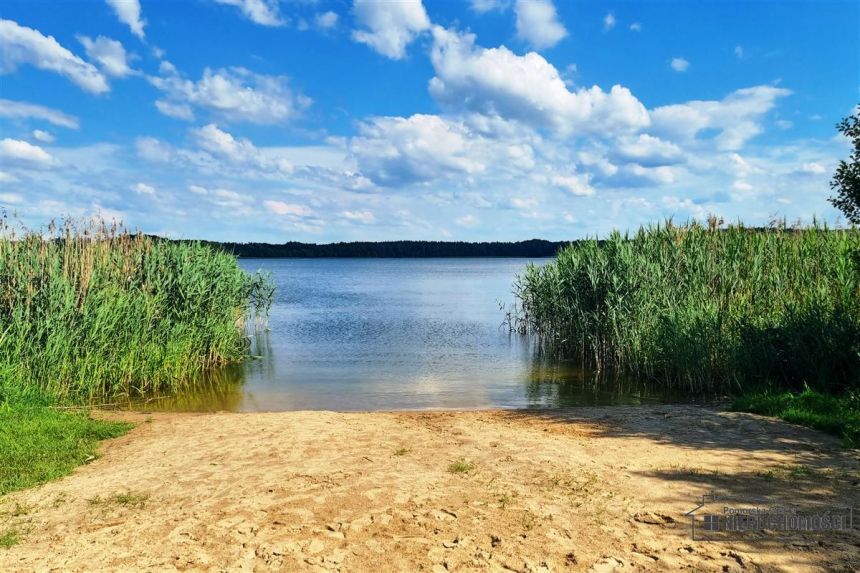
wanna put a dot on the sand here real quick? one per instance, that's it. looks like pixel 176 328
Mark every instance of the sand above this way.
pixel 585 489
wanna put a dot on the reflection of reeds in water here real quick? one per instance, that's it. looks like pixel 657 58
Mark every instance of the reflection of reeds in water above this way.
pixel 558 383
pixel 216 389
pixel 91 311
pixel 702 308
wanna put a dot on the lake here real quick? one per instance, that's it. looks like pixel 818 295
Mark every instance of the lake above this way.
pixel 395 334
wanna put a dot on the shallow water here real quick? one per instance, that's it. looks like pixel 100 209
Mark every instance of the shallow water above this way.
pixel 395 334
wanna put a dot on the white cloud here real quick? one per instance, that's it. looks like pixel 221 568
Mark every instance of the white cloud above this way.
pixel 575 184
pixel 609 21
pixel 151 149
pixel 537 23
pixel 648 151
pixel 813 168
pixel 363 216
pixel 467 221
pixel 636 27
pixel 14 149
pixel 395 151
pixel 326 20
pixel 679 64
pixel 263 12
pixel 784 124
pixel 239 151
pixel 128 12
pixel 526 88
pixel 484 6
pixel 739 52
pixel 109 54
pixel 43 136
pixel 737 117
pixel 234 93
pixel 388 27
pixel 22 45
pixel 281 208
pixel 24 110
pixel 10 198
pixel 224 198
pixel 175 110
pixel 143 189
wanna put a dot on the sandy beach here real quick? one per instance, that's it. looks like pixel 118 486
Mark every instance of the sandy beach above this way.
pixel 584 489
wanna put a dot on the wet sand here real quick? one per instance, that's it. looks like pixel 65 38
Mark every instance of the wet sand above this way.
pixel 582 489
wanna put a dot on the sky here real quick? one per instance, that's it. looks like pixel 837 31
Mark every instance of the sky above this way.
pixel 338 120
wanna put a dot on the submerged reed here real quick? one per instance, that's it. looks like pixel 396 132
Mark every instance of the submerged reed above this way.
pixel 92 311
pixel 702 309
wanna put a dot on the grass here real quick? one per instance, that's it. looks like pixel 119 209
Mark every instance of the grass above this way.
pixel 9 538
pixel 129 499
pixel 39 443
pixel 460 466
pixel 704 309
pixel 94 313
pixel 835 414
pixel 401 451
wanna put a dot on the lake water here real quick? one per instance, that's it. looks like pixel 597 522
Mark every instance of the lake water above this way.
pixel 394 334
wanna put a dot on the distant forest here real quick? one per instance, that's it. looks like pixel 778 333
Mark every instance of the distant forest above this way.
pixel 386 249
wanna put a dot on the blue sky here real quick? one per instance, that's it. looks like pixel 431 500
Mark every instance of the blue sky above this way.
pixel 316 120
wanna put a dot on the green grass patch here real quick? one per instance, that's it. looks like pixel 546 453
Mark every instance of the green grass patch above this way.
pixel 460 466
pixel 835 414
pixel 9 538
pixel 39 443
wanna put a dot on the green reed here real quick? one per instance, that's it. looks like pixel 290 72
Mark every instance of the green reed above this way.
pixel 91 311
pixel 701 308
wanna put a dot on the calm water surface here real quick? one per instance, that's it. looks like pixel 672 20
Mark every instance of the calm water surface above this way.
pixel 394 334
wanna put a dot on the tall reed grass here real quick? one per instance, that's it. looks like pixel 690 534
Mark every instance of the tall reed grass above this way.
pixel 701 308
pixel 90 310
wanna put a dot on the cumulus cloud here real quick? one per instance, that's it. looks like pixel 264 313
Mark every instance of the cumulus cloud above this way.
pixel 239 151
pixel 636 27
pixel 109 54
pixel 175 110
pixel 17 150
pixel 10 198
pixel 388 27
pixel 22 45
pixel 737 117
pixel 575 184
pixel 224 198
pixel 263 12
pixel 326 20
pixel 679 64
pixel 608 22
pixel 128 12
pixel 282 208
pixel 43 136
pixel 25 110
pixel 648 151
pixel 538 24
pixel 467 221
pixel 143 189
pixel 813 168
pixel 360 216
pixel 527 88
pixel 395 151
pixel 236 94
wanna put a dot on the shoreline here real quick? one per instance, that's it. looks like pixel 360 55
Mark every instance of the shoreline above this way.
pixel 578 489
